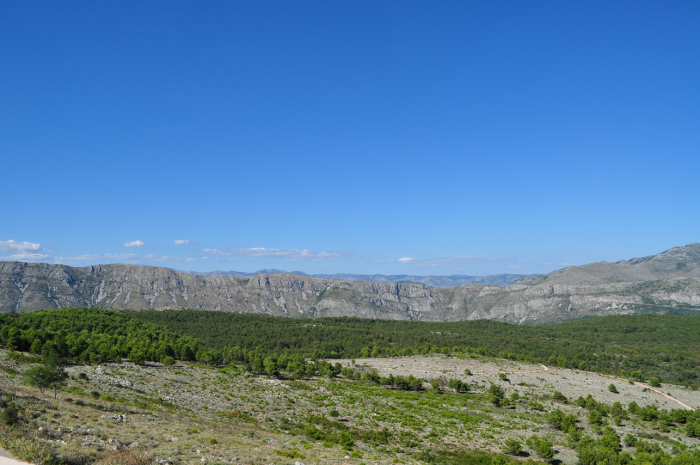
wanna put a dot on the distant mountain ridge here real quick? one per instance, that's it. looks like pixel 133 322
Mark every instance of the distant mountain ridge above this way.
pixel 430 281
pixel 665 283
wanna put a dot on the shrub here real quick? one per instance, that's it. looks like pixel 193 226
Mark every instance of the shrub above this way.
pixel 613 388
pixel 630 441
pixel 512 447
pixel 595 418
pixel 542 446
pixel 458 385
pixel 502 376
pixel 9 415
pixel 654 382
pixel 496 395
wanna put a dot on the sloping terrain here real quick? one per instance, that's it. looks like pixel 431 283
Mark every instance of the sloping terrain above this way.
pixel 188 413
pixel 663 283
pixel 431 281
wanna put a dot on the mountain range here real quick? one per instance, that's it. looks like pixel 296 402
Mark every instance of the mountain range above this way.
pixel 665 283
pixel 430 281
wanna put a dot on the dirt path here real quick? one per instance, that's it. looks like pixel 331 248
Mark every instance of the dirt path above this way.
pixel 7 459
pixel 663 394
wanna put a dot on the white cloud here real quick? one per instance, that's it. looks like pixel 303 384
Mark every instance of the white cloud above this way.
pixel 23 251
pixel 455 260
pixel 20 247
pixel 460 262
pixel 290 254
pixel 29 257
pixel 215 252
pixel 130 258
pixel 133 243
pixel 181 242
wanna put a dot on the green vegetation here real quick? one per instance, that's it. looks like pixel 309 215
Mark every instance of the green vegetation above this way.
pixel 663 346
pixel 617 345
pixel 93 336
pixel 318 405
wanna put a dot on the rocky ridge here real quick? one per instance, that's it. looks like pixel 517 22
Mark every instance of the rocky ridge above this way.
pixel 667 282
pixel 431 281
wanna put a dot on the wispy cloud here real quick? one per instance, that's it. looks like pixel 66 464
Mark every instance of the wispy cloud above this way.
pixel 459 262
pixel 23 251
pixel 290 254
pixel 19 247
pixel 136 243
pixel 29 257
pixel 131 258
pixel 181 242
pixel 452 261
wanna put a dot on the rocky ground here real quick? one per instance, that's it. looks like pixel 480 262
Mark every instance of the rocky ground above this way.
pixel 539 378
pixel 194 414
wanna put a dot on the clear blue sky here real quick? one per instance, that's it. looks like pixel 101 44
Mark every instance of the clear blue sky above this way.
pixel 348 136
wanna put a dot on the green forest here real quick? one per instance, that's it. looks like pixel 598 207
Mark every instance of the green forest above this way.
pixel 639 346
pixel 647 347
pixel 666 347
pixel 93 336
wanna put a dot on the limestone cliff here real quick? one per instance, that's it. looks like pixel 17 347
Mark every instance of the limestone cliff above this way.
pixel 668 282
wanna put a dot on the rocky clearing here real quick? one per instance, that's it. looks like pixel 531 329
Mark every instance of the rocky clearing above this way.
pixel 194 414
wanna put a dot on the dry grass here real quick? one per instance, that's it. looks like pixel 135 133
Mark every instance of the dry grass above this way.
pixel 26 448
pixel 124 457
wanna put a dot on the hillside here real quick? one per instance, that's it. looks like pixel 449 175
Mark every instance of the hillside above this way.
pixel 430 281
pixel 89 386
pixel 665 283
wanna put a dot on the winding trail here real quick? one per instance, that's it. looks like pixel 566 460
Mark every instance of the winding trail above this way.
pixel 663 394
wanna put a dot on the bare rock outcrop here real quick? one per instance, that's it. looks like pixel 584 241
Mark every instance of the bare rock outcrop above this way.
pixel 667 282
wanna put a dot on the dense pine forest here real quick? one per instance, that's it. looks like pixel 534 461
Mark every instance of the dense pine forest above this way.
pixel 666 347
pixel 640 346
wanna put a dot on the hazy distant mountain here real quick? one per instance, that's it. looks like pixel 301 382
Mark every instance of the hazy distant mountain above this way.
pixel 663 283
pixel 430 281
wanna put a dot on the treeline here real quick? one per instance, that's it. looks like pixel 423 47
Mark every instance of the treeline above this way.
pixel 94 336
pixel 639 346
pixel 666 347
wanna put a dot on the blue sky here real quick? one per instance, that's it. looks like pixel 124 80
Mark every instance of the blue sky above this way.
pixel 365 137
